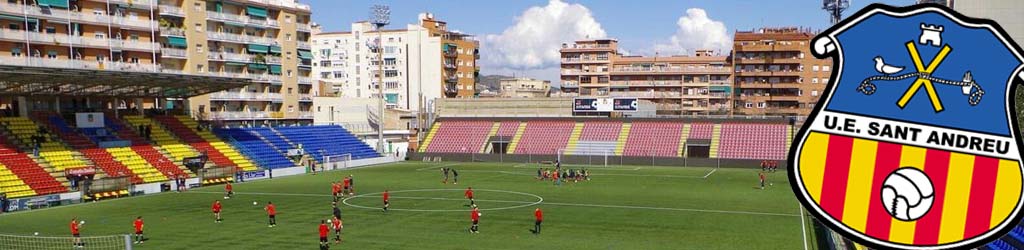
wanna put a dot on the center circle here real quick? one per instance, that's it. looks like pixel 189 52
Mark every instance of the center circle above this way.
pixel 377 194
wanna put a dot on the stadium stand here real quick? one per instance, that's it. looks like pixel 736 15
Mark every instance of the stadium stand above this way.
pixel 274 138
pixel 53 153
pixel 736 140
pixel 161 137
pixel 326 140
pixel 20 176
pixel 659 139
pixel 753 141
pixel 256 147
pixel 543 137
pixel 218 151
pixel 460 137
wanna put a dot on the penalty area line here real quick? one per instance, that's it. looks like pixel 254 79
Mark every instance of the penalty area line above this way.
pixel 543 203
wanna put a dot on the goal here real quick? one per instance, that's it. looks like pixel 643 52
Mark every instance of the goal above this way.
pixel 335 162
pixel 593 157
pixel 17 242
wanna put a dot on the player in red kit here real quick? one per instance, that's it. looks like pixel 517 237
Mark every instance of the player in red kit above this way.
pixel 761 175
pixel 539 216
pixel 138 230
pixel 347 186
pixel 336 224
pixel 75 226
pixel 335 190
pixel 475 216
pixel 387 202
pixel 469 195
pixel 216 211
pixel 271 212
pixel 229 191
pixel 323 235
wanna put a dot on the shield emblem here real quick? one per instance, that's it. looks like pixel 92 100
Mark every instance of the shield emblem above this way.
pixel 913 145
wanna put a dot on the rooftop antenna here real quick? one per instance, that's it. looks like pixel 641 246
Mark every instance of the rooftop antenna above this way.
pixel 835 9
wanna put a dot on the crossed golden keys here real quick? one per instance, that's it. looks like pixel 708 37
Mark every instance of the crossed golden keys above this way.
pixel 930 35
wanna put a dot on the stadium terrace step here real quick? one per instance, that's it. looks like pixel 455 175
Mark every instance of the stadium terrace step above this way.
pixel 494 131
pixel 753 141
pixel 620 144
pixel 106 163
pixel 716 139
pixel 257 148
pixel 430 137
pixel 682 140
pixel 520 130
pixel 219 152
pixel 545 137
pixel 460 137
pixel 574 137
pixel 328 140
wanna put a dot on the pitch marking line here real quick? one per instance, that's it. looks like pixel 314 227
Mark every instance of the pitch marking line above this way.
pixel 709 173
pixel 544 203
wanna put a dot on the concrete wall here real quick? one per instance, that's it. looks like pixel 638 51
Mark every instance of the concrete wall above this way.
pixel 596 160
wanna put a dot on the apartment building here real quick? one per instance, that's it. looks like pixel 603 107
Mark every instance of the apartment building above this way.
pixel 522 87
pixel 775 73
pixel 697 84
pixel 85 34
pixel 266 41
pixel 422 62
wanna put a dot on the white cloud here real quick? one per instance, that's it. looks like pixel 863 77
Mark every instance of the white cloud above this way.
pixel 696 31
pixel 532 43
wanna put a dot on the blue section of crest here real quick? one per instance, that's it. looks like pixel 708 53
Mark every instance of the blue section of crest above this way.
pixel 978 50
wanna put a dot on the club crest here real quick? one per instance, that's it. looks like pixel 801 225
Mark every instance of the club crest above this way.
pixel 914 144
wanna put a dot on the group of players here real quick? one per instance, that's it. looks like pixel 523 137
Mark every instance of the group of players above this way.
pixel 769 165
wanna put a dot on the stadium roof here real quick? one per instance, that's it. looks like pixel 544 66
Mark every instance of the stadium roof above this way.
pixel 21 80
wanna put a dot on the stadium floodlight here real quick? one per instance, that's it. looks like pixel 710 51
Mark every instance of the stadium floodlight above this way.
pixel 380 15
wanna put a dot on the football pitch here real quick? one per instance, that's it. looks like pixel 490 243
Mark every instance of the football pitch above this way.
pixel 621 207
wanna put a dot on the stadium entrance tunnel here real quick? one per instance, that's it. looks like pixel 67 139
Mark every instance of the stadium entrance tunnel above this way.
pixel 445 200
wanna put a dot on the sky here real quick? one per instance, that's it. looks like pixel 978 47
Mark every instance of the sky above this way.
pixel 522 37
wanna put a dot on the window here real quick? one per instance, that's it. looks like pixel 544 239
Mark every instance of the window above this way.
pixel 325 75
pixel 325 63
pixel 199 48
pixel 825 68
pixel 748 105
pixel 200 68
pixel 824 80
pixel 288 19
pixel 13 26
pixel 101 35
pixel 199 27
pixel 289 92
pixel 287 37
pixel 51 30
pixel 133 60
pixel 199 7
pixel 339 74
pixel 814 93
pixel 761 105
pixel 800 93
pixel 289 73
pixel 291 109
pixel 390 73
pixel 133 37
pixel 814 80
pixel 814 68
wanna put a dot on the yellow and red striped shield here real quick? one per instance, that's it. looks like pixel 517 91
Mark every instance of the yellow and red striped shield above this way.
pixel 918 98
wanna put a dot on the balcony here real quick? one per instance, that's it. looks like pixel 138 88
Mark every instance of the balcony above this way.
pixel 272 59
pixel 136 4
pixel 773 47
pixel 303 45
pixel 165 31
pixel 77 64
pixel 570 60
pixel 305 80
pixel 245 96
pixel 230 74
pixel 173 53
pixel 240 19
pixel 78 41
pixel 570 85
pixel 566 46
pixel 305 98
pixel 237 38
pixel 62 15
pixel 303 27
pixel 239 115
pixel 231 57
pixel 582 72
pixel 305 115
pixel 169 10
pixel 273 79
pixel 676 69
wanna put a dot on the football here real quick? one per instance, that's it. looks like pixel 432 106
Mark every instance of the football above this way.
pixel 254 203
pixel 81 222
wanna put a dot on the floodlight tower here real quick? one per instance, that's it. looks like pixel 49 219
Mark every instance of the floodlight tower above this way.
pixel 380 15
pixel 835 9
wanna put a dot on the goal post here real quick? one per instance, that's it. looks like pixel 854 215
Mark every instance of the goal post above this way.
pixel 335 162
pixel 19 242
pixel 594 157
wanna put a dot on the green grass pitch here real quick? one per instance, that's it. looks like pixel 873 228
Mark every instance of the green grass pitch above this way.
pixel 623 207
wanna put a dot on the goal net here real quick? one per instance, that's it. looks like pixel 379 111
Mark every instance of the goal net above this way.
pixel 18 242
pixel 334 162
pixel 593 157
